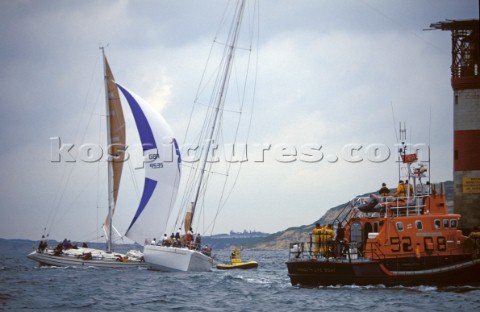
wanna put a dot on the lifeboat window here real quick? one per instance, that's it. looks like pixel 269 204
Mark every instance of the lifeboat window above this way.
pixel 446 223
pixel 400 226
pixel 437 224
pixel 453 223
pixel 356 233
pixel 375 226
pixel 419 225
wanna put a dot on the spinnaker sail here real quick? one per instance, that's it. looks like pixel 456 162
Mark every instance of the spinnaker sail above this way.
pixel 162 170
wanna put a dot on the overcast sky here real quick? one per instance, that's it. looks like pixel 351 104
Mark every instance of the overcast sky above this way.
pixel 330 73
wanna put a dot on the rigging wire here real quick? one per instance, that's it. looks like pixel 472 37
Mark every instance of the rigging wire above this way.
pixel 56 220
pixel 219 96
pixel 221 204
pixel 193 174
pixel 98 181
pixel 402 25
pixel 53 217
pixel 429 137
pixel 394 123
pixel 67 174
pixel 218 137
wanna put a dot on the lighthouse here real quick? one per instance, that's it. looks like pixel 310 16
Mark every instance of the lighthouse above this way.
pixel 465 82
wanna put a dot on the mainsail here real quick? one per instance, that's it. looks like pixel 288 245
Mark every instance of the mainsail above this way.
pixel 162 170
pixel 116 144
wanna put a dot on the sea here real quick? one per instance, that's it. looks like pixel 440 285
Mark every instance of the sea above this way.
pixel 24 286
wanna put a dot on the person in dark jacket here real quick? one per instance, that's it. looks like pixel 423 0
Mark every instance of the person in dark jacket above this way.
pixel 384 191
pixel 339 239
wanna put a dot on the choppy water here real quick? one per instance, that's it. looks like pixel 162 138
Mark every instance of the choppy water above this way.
pixel 25 286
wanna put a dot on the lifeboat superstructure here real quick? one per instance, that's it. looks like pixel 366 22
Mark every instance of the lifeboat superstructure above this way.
pixel 405 240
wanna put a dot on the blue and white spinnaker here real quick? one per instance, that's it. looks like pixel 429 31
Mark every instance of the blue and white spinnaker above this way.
pixel 162 170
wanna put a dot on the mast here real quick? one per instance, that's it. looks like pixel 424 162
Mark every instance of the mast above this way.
pixel 231 46
pixel 109 162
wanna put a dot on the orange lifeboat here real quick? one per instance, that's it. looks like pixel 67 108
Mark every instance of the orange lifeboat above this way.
pixel 392 241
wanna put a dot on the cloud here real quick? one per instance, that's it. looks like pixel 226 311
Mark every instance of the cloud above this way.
pixel 329 73
pixel 161 94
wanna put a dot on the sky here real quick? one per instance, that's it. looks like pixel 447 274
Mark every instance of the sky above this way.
pixel 335 74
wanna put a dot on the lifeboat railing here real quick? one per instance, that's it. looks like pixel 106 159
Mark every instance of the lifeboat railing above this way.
pixel 374 253
pixel 297 250
pixel 412 206
pixel 389 206
pixel 327 251
pixel 323 250
pixel 384 207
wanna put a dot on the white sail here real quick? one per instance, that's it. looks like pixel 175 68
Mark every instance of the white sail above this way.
pixel 162 170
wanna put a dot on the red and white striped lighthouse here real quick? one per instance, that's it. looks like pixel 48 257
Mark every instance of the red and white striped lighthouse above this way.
pixel 466 111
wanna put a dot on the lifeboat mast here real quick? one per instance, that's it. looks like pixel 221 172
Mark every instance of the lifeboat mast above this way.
pixel 408 159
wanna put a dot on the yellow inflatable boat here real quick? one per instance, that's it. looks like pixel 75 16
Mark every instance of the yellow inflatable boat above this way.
pixel 236 263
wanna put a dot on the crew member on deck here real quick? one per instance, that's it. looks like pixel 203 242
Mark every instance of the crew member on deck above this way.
pixel 43 244
pixel 165 241
pixel 206 250
pixel 189 238
pixel 384 191
pixel 409 188
pixel 326 240
pixel 198 241
pixel 316 239
pixel 177 242
pixel 401 191
pixel 339 239
pixel 475 232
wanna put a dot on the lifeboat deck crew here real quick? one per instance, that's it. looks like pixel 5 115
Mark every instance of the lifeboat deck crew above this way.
pixel 401 191
pixel 326 239
pixel 384 191
pixel 316 239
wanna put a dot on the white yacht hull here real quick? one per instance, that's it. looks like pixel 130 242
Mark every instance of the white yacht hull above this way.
pixel 76 258
pixel 163 258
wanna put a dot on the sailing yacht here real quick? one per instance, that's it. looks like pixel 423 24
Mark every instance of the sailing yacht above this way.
pixel 162 172
pixel 190 256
